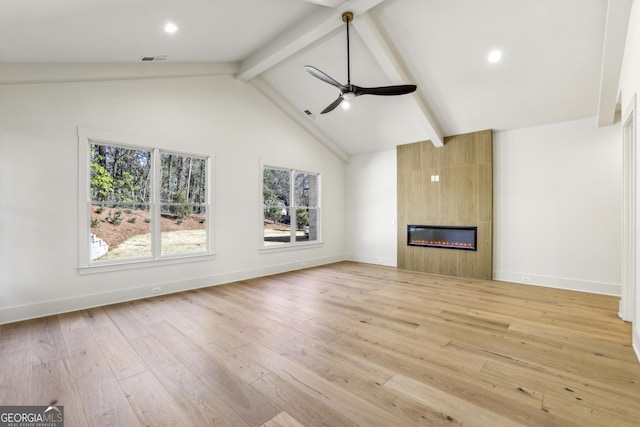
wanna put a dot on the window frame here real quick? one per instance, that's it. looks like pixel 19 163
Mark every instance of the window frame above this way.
pixel 88 137
pixel 293 207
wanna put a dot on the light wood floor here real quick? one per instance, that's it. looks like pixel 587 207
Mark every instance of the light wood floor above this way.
pixel 341 345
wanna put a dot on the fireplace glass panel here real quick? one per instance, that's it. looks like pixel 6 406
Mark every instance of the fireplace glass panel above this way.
pixel 437 236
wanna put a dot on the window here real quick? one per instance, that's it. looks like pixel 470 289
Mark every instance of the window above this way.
pixel 291 207
pixel 140 203
pixel 183 182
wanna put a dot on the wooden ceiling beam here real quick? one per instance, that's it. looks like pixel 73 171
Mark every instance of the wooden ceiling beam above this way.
pixel 391 66
pixel 327 3
pixel 615 35
pixel 300 36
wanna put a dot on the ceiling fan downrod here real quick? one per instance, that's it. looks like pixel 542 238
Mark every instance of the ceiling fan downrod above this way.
pixel 349 90
pixel 348 17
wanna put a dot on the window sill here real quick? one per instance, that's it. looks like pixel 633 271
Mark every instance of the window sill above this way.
pixel 286 248
pixel 143 263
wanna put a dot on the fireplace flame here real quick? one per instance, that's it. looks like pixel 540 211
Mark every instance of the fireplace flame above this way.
pixel 440 243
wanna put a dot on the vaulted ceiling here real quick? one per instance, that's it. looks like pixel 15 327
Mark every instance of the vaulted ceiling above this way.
pixel 560 58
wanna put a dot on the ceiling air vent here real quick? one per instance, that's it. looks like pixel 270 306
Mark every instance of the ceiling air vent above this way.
pixel 159 58
pixel 310 114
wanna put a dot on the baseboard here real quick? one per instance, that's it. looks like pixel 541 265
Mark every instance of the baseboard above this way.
pixel 636 340
pixel 65 305
pixel 390 262
pixel 603 288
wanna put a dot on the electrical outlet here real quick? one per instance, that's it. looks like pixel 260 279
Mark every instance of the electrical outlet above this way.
pixel 156 290
pixel 526 279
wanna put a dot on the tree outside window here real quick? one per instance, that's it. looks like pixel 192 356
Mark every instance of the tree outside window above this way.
pixel 183 202
pixel 290 207
pixel 120 202
pixel 134 216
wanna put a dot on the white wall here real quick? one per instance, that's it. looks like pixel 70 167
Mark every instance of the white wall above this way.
pixel 630 86
pixel 372 208
pixel 557 206
pixel 215 115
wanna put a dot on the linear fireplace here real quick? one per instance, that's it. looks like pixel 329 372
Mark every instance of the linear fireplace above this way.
pixel 439 236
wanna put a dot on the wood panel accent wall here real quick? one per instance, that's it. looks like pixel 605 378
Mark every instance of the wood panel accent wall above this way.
pixel 462 197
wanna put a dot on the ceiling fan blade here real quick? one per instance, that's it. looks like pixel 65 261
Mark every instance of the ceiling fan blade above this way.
pixel 349 90
pixel 322 76
pixel 385 90
pixel 333 105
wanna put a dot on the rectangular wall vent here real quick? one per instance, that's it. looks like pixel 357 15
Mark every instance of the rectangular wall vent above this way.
pixel 159 58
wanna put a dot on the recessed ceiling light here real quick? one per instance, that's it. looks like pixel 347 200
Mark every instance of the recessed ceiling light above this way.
pixel 170 28
pixel 494 56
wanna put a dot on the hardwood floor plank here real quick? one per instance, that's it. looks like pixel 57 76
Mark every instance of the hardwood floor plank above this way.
pixel 561 360
pixel 102 398
pixel 124 361
pixel 47 341
pixel 571 333
pixel 363 366
pixel 563 386
pixel 126 323
pixel 246 401
pixel 370 389
pixel 212 337
pixel 615 354
pixel 16 374
pixel 416 345
pixel 146 311
pixel 307 409
pixel 344 344
pixel 282 420
pixel 271 304
pixel 203 317
pixel 355 408
pixel 70 321
pixel 151 402
pixel 56 382
pixel 199 402
pixel 256 327
pixel 468 413
pixel 248 320
pixel 464 385
pixel 583 414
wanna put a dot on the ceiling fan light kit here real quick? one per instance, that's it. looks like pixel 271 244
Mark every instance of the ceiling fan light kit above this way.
pixel 350 91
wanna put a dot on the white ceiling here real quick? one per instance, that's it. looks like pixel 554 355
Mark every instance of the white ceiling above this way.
pixel 561 58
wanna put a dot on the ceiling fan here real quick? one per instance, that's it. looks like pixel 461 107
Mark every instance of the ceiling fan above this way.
pixel 349 91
